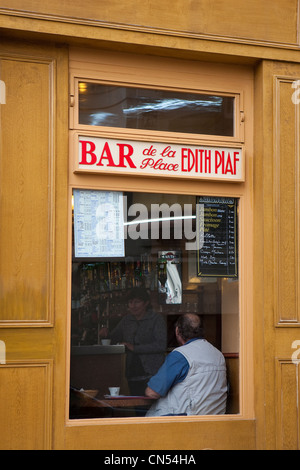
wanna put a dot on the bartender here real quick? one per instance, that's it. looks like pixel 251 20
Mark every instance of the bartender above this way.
pixel 144 334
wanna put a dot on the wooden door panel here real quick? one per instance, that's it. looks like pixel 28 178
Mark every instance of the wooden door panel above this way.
pixel 34 154
pixel 26 405
pixel 277 285
pixel 27 187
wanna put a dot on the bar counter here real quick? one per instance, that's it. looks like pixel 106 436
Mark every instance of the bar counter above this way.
pixel 97 349
pixel 98 367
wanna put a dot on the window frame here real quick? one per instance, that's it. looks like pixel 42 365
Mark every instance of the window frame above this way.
pixel 234 86
pixel 238 124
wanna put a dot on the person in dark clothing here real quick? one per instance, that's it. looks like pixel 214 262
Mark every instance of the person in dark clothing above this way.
pixel 144 334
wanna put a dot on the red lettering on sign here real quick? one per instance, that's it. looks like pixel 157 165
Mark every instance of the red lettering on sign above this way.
pixel 201 160
pixel 168 152
pixel 106 155
pixel 228 168
pixel 126 156
pixel 207 161
pixel 91 160
pixel 235 160
pixel 183 156
pixel 227 164
pixel 158 165
pixel 219 161
pixel 156 157
pixel 150 151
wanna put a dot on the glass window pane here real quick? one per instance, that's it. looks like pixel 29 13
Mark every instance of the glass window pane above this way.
pixel 121 338
pixel 150 109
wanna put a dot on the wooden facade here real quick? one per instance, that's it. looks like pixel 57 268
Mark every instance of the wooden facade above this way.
pixel 251 47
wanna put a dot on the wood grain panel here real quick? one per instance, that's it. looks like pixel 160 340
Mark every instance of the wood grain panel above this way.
pixel 268 21
pixel 206 434
pixel 276 291
pixel 286 200
pixel 288 418
pixel 26 408
pixel 26 191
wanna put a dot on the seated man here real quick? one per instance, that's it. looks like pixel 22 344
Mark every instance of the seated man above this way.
pixel 192 380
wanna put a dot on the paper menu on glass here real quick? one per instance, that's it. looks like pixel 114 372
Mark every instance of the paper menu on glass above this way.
pixel 98 224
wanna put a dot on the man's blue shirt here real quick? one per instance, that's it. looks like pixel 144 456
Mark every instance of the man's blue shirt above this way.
pixel 174 370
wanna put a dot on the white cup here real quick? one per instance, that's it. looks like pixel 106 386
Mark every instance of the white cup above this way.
pixel 114 391
pixel 105 342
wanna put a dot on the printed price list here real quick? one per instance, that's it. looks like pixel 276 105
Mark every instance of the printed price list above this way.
pixel 98 224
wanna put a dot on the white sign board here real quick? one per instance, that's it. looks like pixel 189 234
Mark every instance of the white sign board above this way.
pixel 98 224
pixel 209 162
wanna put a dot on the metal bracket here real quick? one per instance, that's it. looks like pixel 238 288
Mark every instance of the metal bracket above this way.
pixel 72 101
pixel 2 352
pixel 2 92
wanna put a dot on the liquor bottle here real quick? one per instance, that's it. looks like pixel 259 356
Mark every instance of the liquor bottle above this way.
pixel 129 271
pixel 138 275
pixel 146 272
pixel 115 276
pixel 162 274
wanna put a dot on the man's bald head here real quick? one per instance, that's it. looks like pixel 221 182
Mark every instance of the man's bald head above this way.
pixel 188 326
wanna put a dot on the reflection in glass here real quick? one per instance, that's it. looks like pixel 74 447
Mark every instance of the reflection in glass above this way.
pixel 150 109
pixel 166 267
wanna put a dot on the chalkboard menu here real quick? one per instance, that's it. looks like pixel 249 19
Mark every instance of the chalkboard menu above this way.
pixel 217 255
